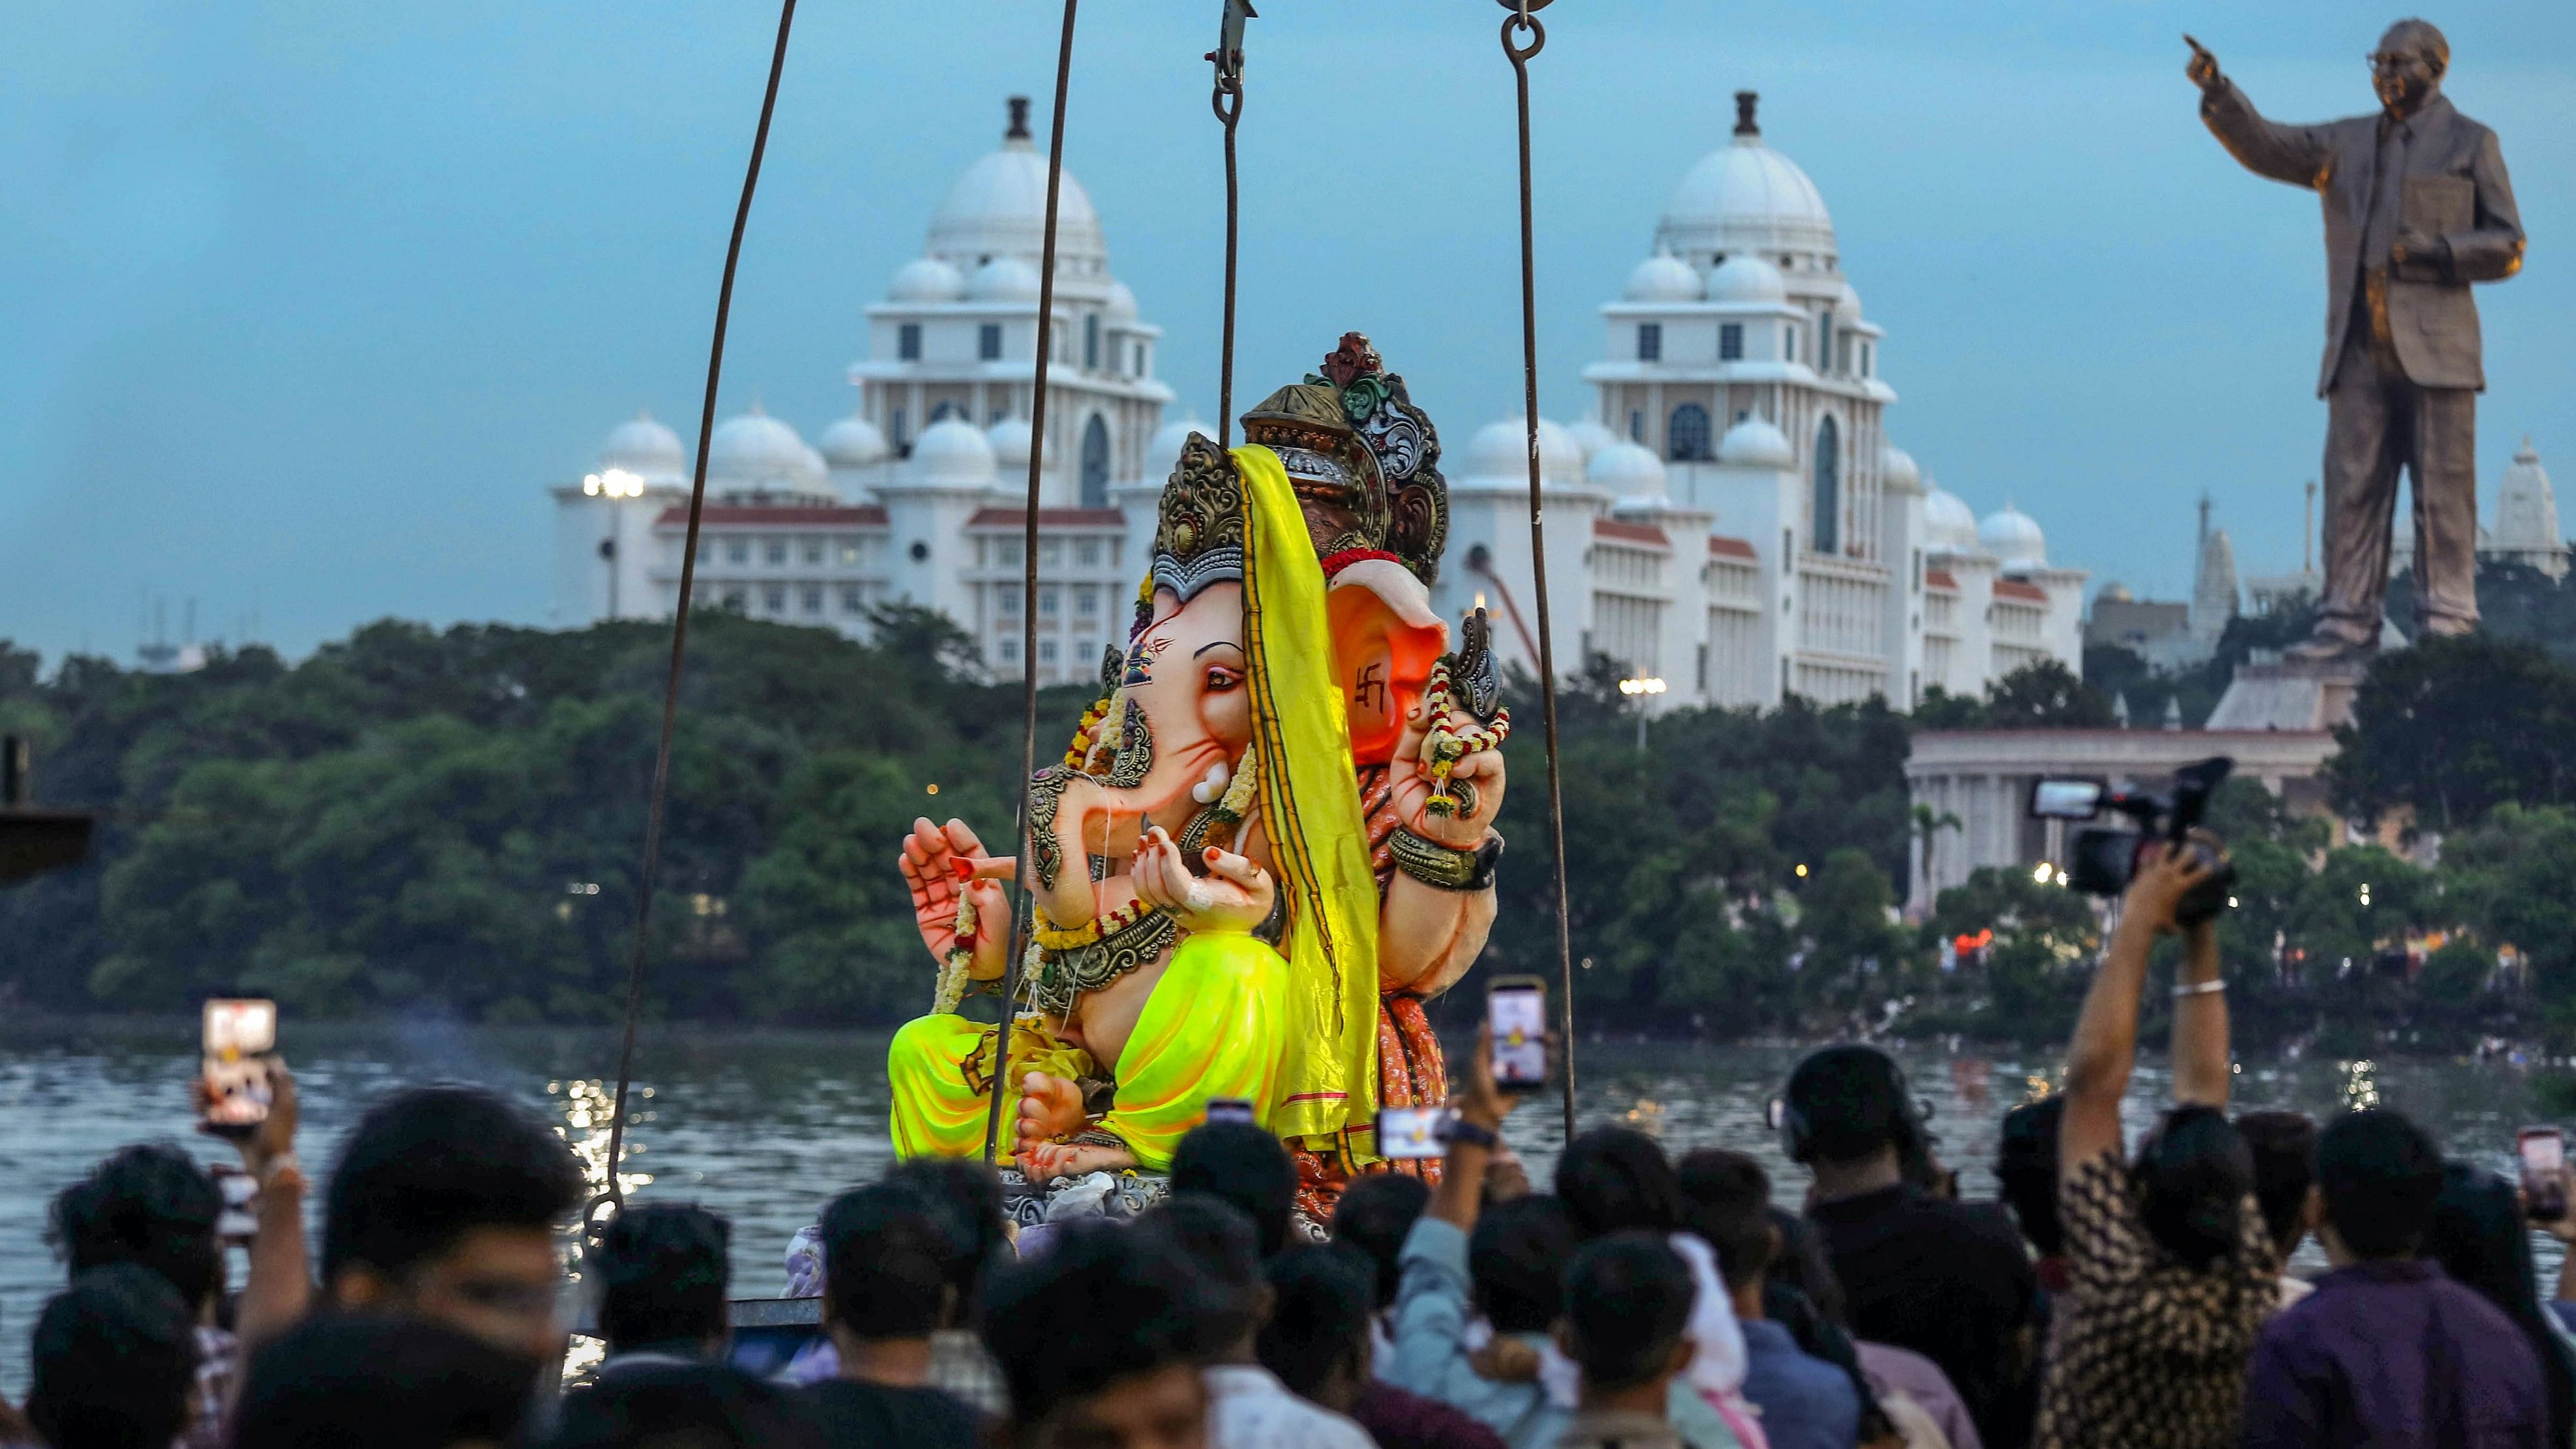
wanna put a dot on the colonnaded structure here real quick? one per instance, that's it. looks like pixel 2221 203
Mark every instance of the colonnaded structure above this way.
pixel 1732 519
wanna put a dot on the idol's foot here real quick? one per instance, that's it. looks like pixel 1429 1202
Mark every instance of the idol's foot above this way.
pixel 1045 1162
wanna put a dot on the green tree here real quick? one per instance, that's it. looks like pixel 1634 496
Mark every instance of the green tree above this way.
pixel 2454 727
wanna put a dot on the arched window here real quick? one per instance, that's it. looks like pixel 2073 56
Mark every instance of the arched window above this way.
pixel 1829 486
pixel 1687 439
pixel 1095 463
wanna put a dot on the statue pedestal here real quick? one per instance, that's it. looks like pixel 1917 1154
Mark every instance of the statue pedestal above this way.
pixel 2287 694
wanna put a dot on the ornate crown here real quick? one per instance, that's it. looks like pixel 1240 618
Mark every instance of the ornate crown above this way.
pixel 1364 460
pixel 1198 539
pixel 1334 476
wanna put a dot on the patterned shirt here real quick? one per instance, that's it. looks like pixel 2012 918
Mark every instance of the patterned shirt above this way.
pixel 2149 1351
pixel 218 1359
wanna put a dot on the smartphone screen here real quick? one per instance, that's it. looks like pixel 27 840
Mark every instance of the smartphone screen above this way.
pixel 1229 1109
pixel 1411 1132
pixel 2544 1184
pixel 1517 1012
pixel 239 1034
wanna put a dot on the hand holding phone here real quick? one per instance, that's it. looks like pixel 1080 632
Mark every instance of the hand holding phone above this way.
pixel 1231 1109
pixel 234 1090
pixel 2543 1153
pixel 1412 1133
pixel 1516 1015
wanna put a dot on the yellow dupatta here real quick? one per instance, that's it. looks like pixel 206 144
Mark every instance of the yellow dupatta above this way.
pixel 1311 813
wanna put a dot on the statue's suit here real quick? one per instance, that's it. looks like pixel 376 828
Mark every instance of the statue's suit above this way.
pixel 2401 372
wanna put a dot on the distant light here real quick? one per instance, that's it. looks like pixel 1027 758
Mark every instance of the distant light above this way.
pixel 1648 685
pixel 590 484
pixel 2231 903
pixel 2044 874
pixel 934 789
pixel 1480 598
pixel 2061 877
pixel 618 483
pixel 1802 870
pixel 2365 893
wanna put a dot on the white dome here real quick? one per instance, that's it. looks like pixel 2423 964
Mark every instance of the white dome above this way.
pixel 1591 437
pixel 756 448
pixel 1121 303
pixel 812 473
pixel 1897 471
pixel 1663 277
pixel 1755 443
pixel 1500 450
pixel 1004 279
pixel 998 208
pixel 1948 524
pixel 1626 470
pixel 2014 537
pixel 1746 197
pixel 1746 278
pixel 953 452
pixel 644 447
pixel 2526 514
pixel 1847 304
pixel 2114 592
pixel 853 442
pixel 1010 441
pixel 927 279
pixel 1163 453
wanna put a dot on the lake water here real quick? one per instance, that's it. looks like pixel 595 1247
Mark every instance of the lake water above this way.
pixel 764 1126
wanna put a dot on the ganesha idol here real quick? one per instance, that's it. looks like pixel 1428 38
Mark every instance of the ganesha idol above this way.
pixel 1268 844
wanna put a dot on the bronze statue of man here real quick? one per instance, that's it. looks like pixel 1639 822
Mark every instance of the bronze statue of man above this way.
pixel 2417 207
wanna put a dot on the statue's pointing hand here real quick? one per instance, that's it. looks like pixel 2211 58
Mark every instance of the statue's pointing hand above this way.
pixel 2203 66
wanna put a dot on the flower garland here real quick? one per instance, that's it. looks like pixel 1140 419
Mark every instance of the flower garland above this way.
pixel 953 978
pixel 1447 744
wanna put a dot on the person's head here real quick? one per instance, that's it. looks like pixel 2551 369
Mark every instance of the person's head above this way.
pixel 443 1205
pixel 1614 1179
pixel 2378 1176
pixel 2026 1168
pixel 967 1197
pixel 1728 1198
pixel 1100 1341
pixel 1243 1165
pixel 662 1273
pixel 1627 1314
pixel 2478 1236
pixel 1317 1339
pixel 115 1358
pixel 683 1406
pixel 2408 66
pixel 2194 1173
pixel 885 1258
pixel 2284 1145
pixel 1219 1241
pixel 1374 1215
pixel 1846 1108
pixel 149 1204
pixel 1516 1262
pixel 1803 1264
pixel 388 1383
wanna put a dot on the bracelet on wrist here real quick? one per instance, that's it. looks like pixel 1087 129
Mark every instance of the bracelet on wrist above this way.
pixel 1445 867
pixel 2210 987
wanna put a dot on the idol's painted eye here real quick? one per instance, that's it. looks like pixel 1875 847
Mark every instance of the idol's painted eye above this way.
pixel 1222 679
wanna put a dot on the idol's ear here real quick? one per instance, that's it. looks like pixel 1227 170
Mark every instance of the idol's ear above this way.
pixel 1384 637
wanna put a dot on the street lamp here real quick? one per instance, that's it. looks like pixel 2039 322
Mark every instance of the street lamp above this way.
pixel 1636 689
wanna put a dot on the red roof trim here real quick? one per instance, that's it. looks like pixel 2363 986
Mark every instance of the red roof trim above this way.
pixel 1724 547
pixel 2016 589
pixel 720 515
pixel 1629 532
pixel 1940 579
pixel 1048 518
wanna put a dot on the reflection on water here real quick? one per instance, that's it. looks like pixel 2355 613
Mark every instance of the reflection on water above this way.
pixel 765 1126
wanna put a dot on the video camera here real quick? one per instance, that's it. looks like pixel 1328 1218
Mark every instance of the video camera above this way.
pixel 2104 861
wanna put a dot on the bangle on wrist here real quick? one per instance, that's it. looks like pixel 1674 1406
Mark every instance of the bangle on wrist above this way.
pixel 281 1163
pixel 2211 987
pixel 1459 1129
pixel 1445 867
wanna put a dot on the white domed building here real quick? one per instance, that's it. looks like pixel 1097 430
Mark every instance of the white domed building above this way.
pixel 917 496
pixel 1788 547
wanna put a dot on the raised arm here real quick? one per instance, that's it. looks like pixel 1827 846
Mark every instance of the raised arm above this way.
pixel 2200 1067
pixel 2105 1049
pixel 2298 155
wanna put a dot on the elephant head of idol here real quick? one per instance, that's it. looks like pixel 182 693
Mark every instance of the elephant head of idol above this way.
pixel 1179 710
pixel 1364 462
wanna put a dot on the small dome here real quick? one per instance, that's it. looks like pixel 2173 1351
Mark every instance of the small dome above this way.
pixel 1121 303
pixel 1591 437
pixel 1847 305
pixel 2014 537
pixel 644 447
pixel 953 452
pixel 1663 277
pixel 998 208
pixel 927 279
pixel 1755 443
pixel 1164 453
pixel 1004 279
pixel 2526 515
pixel 1897 471
pixel 1746 278
pixel 853 442
pixel 1626 470
pixel 1949 526
pixel 756 448
pixel 1010 440
pixel 2114 592
pixel 1746 197
pixel 1501 450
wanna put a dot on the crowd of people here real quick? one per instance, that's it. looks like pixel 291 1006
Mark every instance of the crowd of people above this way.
pixel 2113 1296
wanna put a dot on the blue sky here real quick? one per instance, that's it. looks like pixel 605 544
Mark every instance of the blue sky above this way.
pixel 306 305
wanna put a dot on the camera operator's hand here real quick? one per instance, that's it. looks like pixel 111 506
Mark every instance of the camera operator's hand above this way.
pixel 2165 875
pixel 1479 1100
